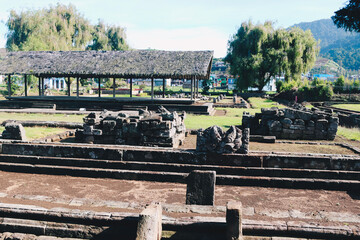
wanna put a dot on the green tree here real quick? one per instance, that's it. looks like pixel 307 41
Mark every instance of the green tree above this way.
pixel 108 38
pixel 257 53
pixel 60 28
pixel 348 17
pixel 340 82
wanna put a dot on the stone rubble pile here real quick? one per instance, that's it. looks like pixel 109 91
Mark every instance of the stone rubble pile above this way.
pixel 14 130
pixel 240 102
pixel 163 128
pixel 290 123
pixel 215 140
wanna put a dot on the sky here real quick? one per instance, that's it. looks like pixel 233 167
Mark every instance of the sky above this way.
pixel 183 24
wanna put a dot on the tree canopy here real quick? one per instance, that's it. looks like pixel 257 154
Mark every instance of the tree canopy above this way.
pixel 60 28
pixel 348 17
pixel 257 53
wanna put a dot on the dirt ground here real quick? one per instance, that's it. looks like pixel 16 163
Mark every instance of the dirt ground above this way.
pixel 66 188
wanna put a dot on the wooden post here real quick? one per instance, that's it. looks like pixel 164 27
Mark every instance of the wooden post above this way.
pixel 68 87
pixel 26 84
pixel 39 86
pixel 113 87
pixel 131 85
pixel 163 93
pixel 191 91
pixel 99 87
pixel 77 86
pixel 196 88
pixel 9 85
pixel 152 88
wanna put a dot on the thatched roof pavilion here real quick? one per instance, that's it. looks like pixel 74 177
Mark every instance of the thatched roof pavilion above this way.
pixel 144 64
pixel 121 64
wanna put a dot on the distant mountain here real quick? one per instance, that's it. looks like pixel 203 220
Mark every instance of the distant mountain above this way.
pixel 335 43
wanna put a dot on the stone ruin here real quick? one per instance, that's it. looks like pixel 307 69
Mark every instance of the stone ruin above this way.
pixel 14 130
pixel 163 128
pixel 215 140
pixel 296 124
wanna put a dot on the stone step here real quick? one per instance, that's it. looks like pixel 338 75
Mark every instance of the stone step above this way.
pixel 84 224
pixel 161 176
pixel 181 168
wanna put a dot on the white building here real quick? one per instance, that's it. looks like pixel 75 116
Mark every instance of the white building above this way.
pixel 55 83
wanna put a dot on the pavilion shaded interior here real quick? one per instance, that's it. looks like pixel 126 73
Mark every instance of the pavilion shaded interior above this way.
pixel 133 64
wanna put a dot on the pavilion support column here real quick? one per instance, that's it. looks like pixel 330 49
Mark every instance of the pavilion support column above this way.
pixel 163 93
pixel 9 85
pixel 39 86
pixel 131 87
pixel 77 86
pixel 113 87
pixel 26 85
pixel 152 88
pixel 99 87
pixel 68 86
pixel 191 90
pixel 196 88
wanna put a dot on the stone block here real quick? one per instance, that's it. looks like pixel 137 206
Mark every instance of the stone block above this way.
pixel 14 130
pixel 286 122
pixel 150 223
pixel 234 221
pixel 200 188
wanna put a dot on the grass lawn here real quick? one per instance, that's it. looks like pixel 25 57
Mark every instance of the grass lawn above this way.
pixel 259 103
pixel 41 117
pixel 39 132
pixel 354 107
pixel 233 117
pixel 349 133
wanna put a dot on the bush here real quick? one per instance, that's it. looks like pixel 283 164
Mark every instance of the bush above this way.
pixel 319 90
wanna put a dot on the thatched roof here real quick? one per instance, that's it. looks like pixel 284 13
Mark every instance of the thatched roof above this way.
pixel 126 64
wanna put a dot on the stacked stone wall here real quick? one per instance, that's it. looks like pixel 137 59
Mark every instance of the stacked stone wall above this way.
pixel 164 128
pixel 291 123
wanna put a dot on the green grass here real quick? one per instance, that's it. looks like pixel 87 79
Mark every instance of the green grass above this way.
pixel 41 117
pixel 200 121
pixel 233 117
pixel 259 103
pixel 349 133
pixel 39 132
pixel 353 107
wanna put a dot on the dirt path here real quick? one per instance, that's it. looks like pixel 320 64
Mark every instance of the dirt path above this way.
pixel 96 194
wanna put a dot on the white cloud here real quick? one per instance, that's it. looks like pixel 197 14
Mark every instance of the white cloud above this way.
pixel 202 38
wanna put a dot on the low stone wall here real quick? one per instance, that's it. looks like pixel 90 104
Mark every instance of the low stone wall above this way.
pixel 292 124
pixel 166 129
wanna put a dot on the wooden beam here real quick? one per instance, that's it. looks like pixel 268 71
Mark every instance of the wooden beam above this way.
pixel 113 87
pixel 68 86
pixel 163 93
pixel 26 84
pixel 152 88
pixel 9 85
pixel 131 87
pixel 77 86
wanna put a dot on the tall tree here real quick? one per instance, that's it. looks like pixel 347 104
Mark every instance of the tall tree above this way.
pixel 348 17
pixel 257 53
pixel 108 38
pixel 60 28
